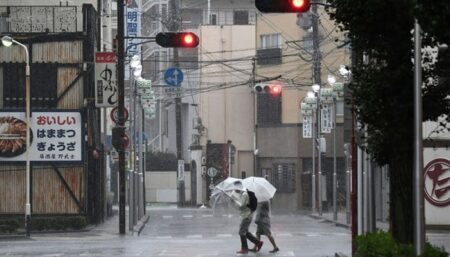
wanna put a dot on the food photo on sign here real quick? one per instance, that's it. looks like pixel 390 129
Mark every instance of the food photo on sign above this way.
pixel 13 136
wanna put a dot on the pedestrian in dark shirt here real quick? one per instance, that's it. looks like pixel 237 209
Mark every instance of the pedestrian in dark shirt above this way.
pixel 242 201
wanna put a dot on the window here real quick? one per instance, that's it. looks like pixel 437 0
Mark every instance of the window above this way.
pixel 240 17
pixel 43 85
pixel 282 176
pixel 270 41
pixel 213 19
pixel 163 11
pixel 269 109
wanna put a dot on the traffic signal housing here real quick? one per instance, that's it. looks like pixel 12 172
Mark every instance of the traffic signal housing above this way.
pixel 177 39
pixel 273 89
pixel 120 140
pixel 282 6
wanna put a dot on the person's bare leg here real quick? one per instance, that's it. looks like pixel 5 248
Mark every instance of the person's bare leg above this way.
pixel 275 247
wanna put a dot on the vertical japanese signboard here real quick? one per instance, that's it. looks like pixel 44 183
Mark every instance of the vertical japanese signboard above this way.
pixel 307 126
pixel 133 29
pixel 54 137
pixel 326 115
pixel 105 80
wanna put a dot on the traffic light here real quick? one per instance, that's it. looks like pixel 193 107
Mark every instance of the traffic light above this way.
pixel 120 140
pixel 177 39
pixel 282 6
pixel 274 89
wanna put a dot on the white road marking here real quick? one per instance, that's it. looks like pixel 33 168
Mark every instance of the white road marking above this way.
pixel 284 235
pixel 207 254
pixel 207 215
pixel 194 236
pixel 164 237
pixel 224 235
pixel 187 216
pixel 285 254
pixel 169 253
pixel 167 216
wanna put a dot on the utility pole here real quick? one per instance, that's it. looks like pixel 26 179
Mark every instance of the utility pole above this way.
pixel 121 108
pixel 317 80
pixel 255 121
pixel 174 27
pixel 418 180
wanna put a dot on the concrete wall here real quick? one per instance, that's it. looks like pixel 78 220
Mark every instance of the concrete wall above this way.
pixel 161 186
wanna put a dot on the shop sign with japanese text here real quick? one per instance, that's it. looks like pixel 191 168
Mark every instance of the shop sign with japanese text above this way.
pixel 105 80
pixel 133 29
pixel 55 137
pixel 307 126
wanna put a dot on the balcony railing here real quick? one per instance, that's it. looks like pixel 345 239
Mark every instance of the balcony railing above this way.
pixel 269 56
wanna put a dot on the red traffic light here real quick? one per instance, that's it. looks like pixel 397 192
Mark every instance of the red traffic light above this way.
pixel 282 6
pixel 273 89
pixel 177 39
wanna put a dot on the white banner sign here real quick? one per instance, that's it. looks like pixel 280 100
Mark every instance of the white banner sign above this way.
pixel 55 136
pixel 326 118
pixel 307 126
pixel 105 80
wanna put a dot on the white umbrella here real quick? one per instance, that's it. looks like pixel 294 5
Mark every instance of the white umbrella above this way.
pixel 222 191
pixel 262 188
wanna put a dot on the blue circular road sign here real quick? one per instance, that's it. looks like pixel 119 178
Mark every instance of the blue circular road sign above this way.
pixel 173 77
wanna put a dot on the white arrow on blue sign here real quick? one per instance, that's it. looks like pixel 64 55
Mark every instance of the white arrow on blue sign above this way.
pixel 173 77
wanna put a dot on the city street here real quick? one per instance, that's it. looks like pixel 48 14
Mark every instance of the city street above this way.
pixel 186 232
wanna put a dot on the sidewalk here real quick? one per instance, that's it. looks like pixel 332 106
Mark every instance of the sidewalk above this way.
pixel 111 224
pixel 436 237
pixel 342 221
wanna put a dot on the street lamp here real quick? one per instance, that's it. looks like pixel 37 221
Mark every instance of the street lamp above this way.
pixel 316 89
pixel 338 95
pixel 8 41
pixel 135 73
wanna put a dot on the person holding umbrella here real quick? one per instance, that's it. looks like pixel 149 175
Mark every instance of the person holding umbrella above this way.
pixel 242 200
pixel 262 221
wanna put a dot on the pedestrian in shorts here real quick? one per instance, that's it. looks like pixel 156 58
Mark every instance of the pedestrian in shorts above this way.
pixel 262 221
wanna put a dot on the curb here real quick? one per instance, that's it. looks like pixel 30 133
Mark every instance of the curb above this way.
pixel 141 224
pixel 337 223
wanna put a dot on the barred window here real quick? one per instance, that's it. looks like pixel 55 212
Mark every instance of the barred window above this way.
pixel 282 176
pixel 43 85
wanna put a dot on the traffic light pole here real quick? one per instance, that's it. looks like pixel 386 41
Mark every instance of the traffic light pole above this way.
pixel 175 25
pixel 121 108
pixel 317 80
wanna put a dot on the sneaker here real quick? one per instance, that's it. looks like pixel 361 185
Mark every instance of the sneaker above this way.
pixel 274 250
pixel 252 250
pixel 259 245
pixel 242 251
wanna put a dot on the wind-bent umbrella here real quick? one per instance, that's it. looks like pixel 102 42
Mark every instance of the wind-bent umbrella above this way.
pixel 222 192
pixel 262 188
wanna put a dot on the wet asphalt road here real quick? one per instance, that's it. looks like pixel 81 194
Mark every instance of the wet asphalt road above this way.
pixel 175 232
